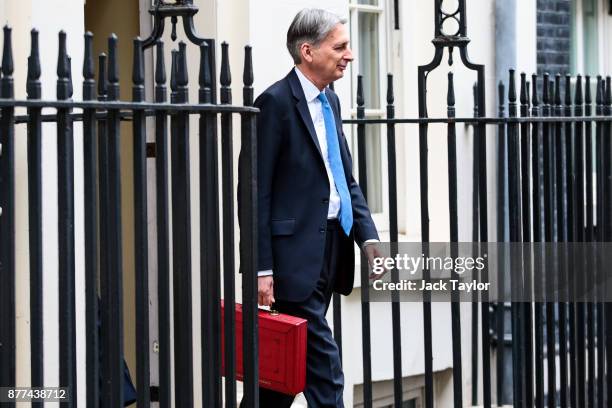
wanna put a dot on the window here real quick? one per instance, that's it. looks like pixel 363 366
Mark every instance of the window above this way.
pixel 368 43
pixel 584 57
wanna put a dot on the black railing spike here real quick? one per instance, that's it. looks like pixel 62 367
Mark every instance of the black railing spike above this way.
pixel 390 94
pixel 33 86
pixel 173 71
pixel 523 95
pixel 138 63
pixel 204 78
pixel 204 73
pixel 587 90
pixel 528 92
pixel 545 85
pixel 62 57
pixel 450 95
pixel 360 100
pixel 226 77
pixel 551 90
pixel 558 89
pixel 608 100
pixel 113 62
pixel 534 91
pixel 501 92
pixel 7 53
pixel 69 66
pixel 182 75
pixel 102 77
pixel 89 83
pixel 578 97
pixel 63 87
pixel 88 63
pixel 160 66
pixel 568 90
pixel 511 87
pixel 247 76
pixel 598 92
pixel 113 68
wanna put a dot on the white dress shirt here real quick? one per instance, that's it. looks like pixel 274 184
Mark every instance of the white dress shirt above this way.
pixel 315 107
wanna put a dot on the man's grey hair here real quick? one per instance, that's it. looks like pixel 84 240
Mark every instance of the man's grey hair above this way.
pixel 310 26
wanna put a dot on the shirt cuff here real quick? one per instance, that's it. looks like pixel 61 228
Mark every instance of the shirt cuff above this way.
pixel 267 272
pixel 368 242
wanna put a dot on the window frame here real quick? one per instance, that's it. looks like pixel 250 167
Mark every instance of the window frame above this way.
pixel 381 218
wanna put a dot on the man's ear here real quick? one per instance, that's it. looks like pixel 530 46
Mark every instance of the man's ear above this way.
pixel 306 52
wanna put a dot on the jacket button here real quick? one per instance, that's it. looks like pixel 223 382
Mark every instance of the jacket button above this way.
pixel 321 230
pixel 325 200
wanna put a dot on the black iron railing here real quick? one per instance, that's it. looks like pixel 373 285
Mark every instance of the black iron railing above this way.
pixel 101 116
pixel 555 193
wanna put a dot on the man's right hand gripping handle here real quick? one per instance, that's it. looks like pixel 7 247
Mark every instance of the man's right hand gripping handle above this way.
pixel 265 290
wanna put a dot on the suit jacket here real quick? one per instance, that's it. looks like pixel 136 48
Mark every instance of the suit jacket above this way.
pixel 293 194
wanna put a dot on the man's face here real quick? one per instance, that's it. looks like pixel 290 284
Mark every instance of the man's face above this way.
pixel 331 57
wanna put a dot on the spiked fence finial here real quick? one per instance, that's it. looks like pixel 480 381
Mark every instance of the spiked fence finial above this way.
pixel 226 77
pixel 173 72
pixel 568 90
pixel 204 77
pixel 113 68
pixel 160 72
pixel 33 86
pixel 511 87
pixel 599 92
pixel 62 68
pixel 89 84
pixel 558 89
pixel 578 99
pixel 102 77
pixel 534 91
pixel 247 76
pixel 523 96
pixel 138 71
pixel 450 95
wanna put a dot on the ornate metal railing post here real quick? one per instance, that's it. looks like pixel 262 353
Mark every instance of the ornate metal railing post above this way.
pixel 160 10
pixel 451 40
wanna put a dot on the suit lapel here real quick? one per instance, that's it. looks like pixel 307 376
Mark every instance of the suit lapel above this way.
pixel 302 107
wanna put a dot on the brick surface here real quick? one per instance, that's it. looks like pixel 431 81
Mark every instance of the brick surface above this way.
pixel 553 36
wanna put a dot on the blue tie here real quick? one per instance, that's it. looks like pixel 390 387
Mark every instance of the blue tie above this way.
pixel 335 164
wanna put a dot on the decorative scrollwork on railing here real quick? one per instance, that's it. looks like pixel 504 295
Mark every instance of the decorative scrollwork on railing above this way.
pixel 445 34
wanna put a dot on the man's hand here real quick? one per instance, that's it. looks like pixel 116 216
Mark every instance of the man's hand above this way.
pixel 265 290
pixel 372 252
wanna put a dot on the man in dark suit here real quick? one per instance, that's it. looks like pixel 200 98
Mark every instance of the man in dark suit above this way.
pixel 311 210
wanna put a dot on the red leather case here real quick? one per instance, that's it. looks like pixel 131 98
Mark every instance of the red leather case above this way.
pixel 282 351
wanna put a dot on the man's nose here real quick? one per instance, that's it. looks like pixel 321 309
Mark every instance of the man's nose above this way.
pixel 348 55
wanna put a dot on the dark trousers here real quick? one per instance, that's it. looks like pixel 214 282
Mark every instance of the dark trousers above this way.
pixel 324 378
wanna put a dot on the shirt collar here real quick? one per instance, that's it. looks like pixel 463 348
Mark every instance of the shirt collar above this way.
pixel 310 90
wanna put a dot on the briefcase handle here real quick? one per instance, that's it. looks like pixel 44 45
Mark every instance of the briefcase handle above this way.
pixel 271 310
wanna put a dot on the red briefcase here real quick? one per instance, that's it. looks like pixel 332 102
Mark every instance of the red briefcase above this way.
pixel 282 350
